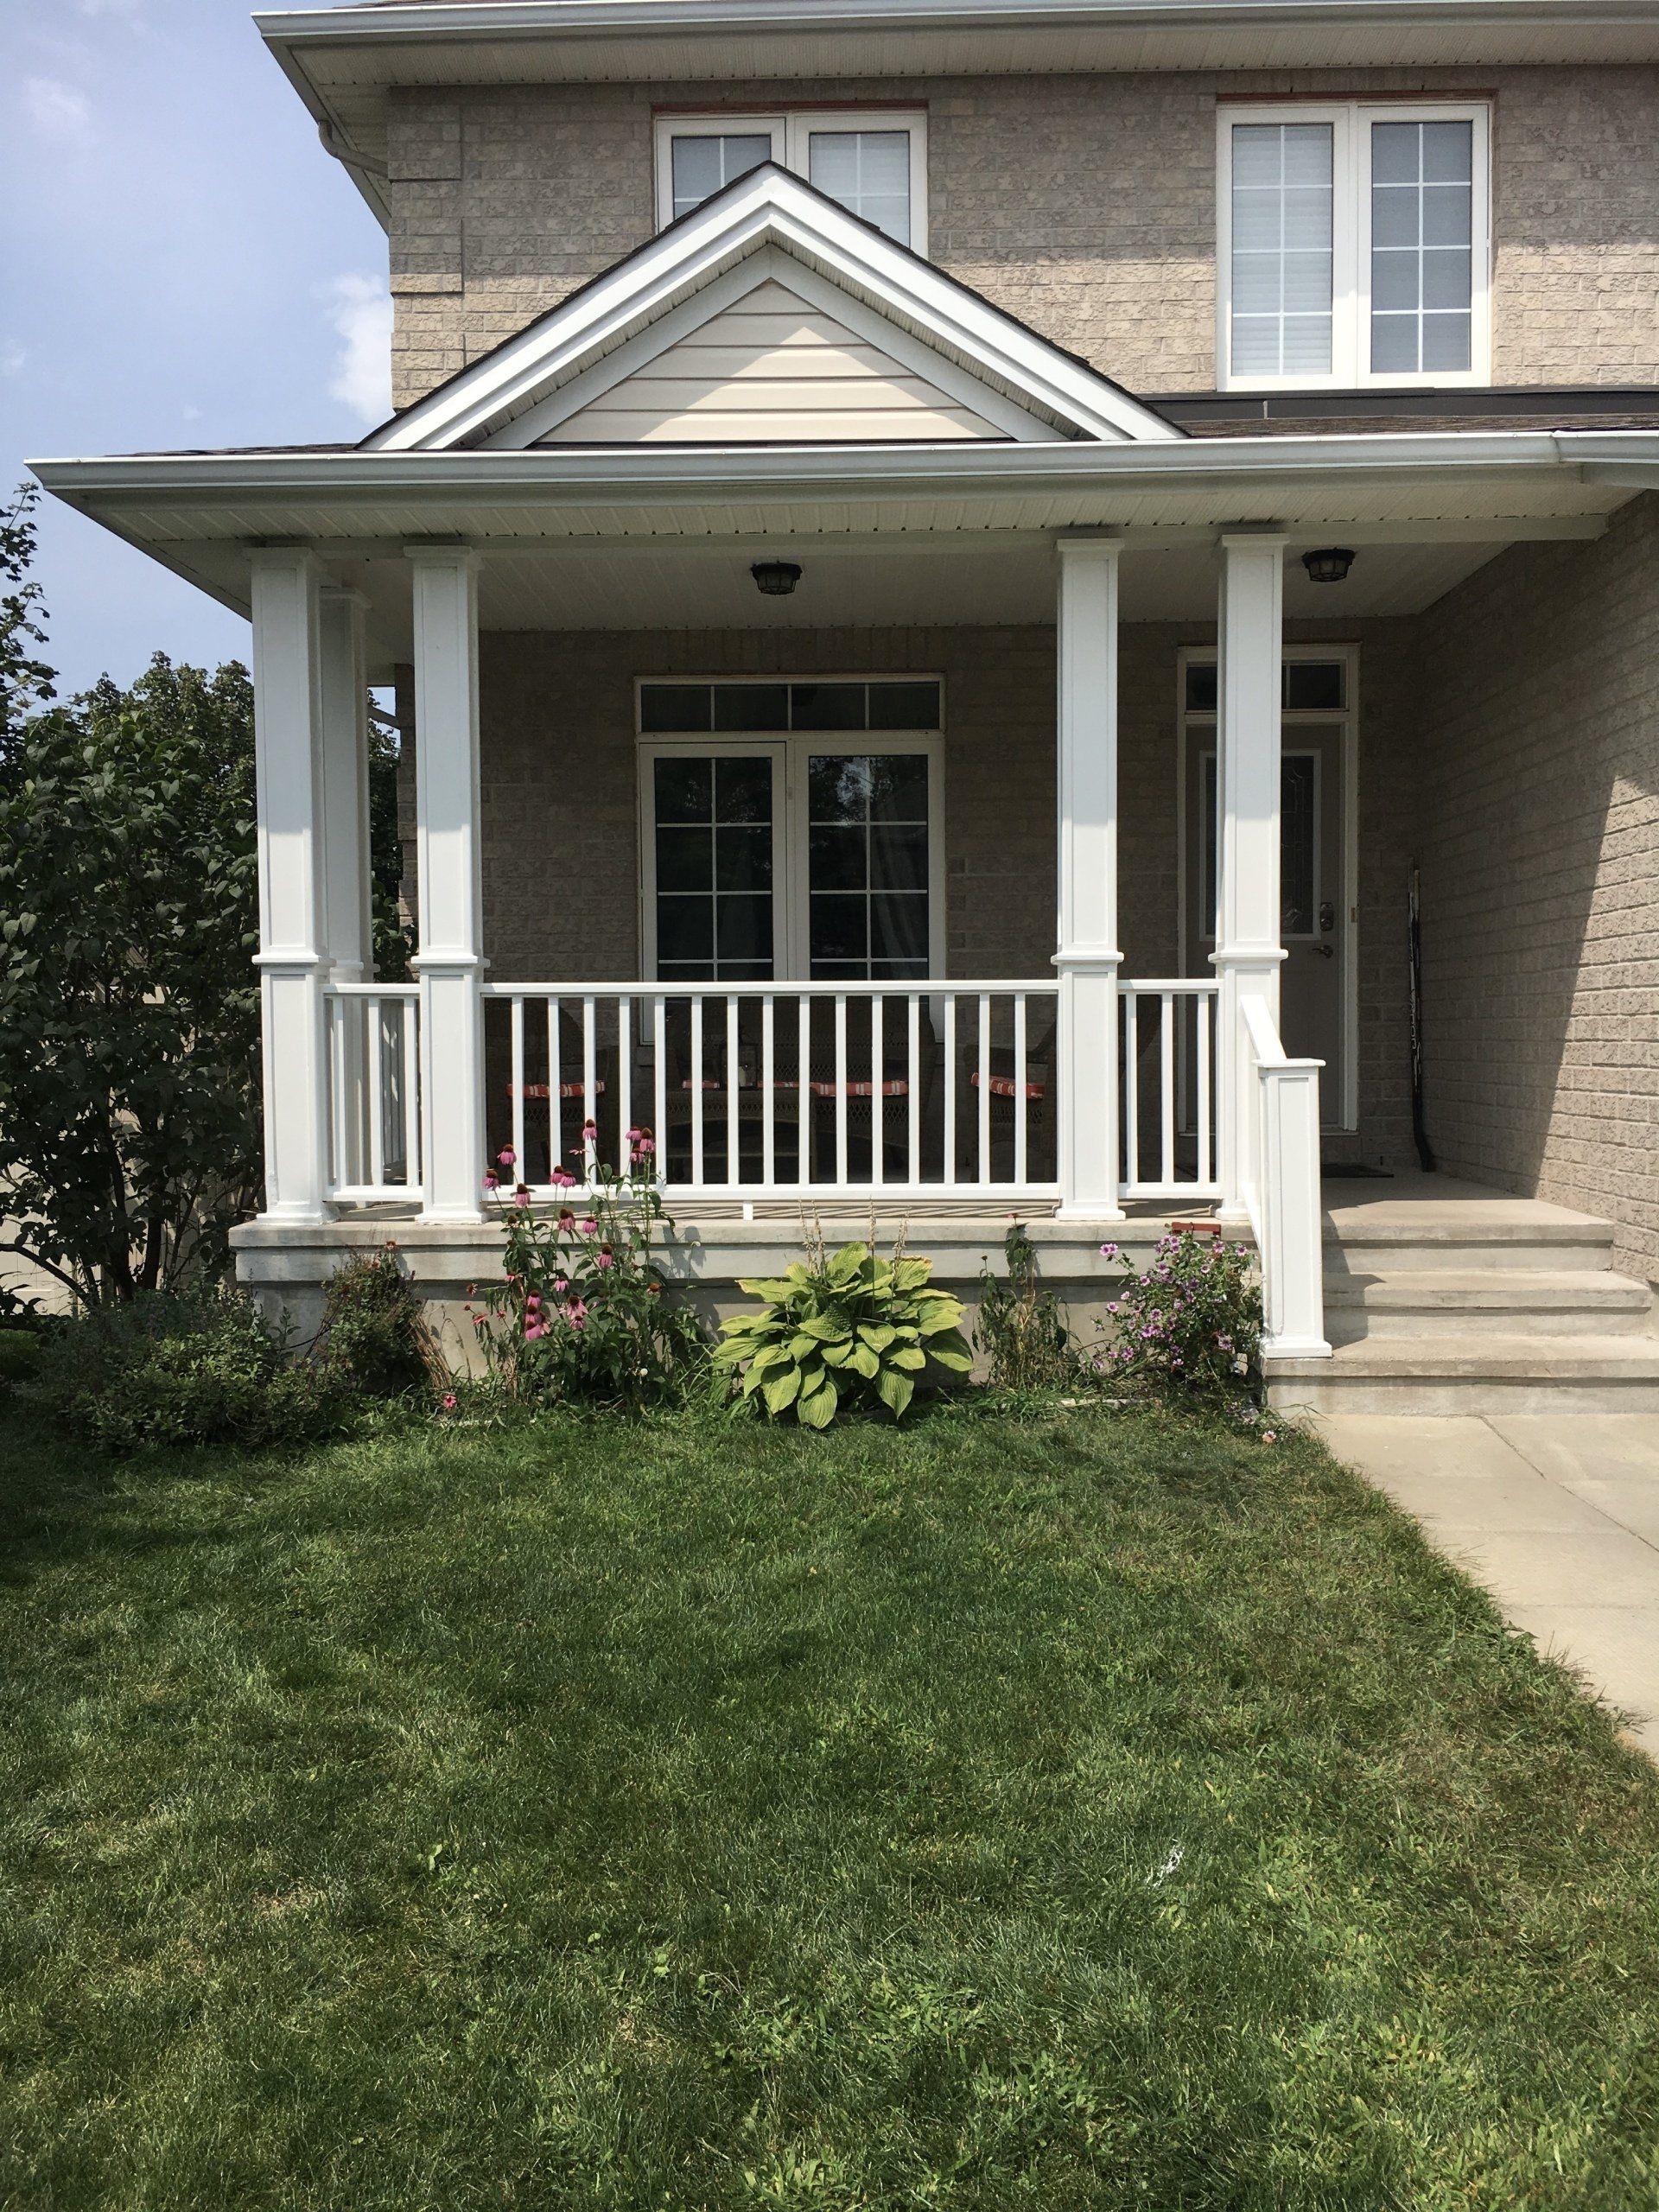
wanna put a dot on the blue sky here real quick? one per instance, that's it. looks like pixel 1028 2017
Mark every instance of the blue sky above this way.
pixel 180 264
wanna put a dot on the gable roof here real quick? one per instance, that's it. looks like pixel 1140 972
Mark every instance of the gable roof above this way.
pixel 1002 378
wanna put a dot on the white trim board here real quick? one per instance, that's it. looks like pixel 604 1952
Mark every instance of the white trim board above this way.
pixel 769 208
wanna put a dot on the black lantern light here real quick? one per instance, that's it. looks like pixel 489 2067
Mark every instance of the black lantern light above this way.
pixel 776 579
pixel 1328 564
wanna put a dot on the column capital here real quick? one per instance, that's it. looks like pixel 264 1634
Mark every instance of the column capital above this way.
pixel 1255 537
pixel 444 553
pixel 1107 544
pixel 273 555
pixel 337 594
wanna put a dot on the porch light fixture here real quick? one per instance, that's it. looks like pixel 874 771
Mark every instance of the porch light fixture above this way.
pixel 776 579
pixel 1328 564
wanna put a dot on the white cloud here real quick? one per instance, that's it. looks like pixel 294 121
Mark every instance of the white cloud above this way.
pixel 55 108
pixel 360 308
pixel 12 358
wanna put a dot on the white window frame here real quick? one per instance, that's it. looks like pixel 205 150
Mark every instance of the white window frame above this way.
pixel 789 130
pixel 1350 278
pixel 791 872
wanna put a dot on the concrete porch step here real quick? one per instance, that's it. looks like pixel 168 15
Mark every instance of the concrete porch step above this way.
pixel 1459 1372
pixel 1573 1242
pixel 1487 1301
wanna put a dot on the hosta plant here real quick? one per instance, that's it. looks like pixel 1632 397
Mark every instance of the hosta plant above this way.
pixel 846 1330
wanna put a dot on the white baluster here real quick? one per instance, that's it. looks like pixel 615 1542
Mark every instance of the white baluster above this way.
pixel 1204 1006
pixel 768 1093
pixel 1019 1161
pixel 805 1103
pixel 950 1088
pixel 913 1078
pixel 841 1087
pixel 1166 1085
pixel 1132 1084
pixel 515 1008
pixel 732 1170
pixel 877 1094
pixel 377 1126
pixel 589 1084
pixel 984 1087
pixel 624 1080
pixel 659 1081
pixel 411 1044
pixel 697 1089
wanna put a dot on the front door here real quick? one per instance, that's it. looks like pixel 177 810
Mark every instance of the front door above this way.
pixel 1316 899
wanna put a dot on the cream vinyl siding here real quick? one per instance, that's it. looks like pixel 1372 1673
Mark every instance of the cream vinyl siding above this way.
pixel 771 367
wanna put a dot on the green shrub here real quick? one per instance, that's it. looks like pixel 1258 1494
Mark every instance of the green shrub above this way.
pixel 851 1330
pixel 374 1337
pixel 1021 1328
pixel 197 1369
pixel 1190 1325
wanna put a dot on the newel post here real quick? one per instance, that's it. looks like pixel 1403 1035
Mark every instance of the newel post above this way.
pixel 292 956
pixel 1248 719
pixel 1086 956
pixel 449 960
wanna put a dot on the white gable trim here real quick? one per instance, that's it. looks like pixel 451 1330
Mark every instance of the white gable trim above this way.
pixel 770 207
pixel 728 290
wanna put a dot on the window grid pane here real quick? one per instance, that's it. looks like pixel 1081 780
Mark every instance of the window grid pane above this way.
pixel 867 866
pixel 868 172
pixel 713 847
pixel 702 163
pixel 1422 247
pixel 1283 206
pixel 670 710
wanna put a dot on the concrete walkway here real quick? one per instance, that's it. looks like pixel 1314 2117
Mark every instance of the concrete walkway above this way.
pixel 1558 1515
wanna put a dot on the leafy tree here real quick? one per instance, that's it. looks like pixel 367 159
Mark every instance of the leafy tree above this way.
pixel 129 1108
pixel 129 1006
pixel 25 683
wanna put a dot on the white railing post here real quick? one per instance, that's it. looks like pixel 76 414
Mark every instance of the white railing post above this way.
pixel 1282 1189
pixel 449 963
pixel 1086 955
pixel 1248 950
pixel 292 956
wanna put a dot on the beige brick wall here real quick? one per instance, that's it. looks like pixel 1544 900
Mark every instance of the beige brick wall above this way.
pixel 1538 831
pixel 560 847
pixel 506 199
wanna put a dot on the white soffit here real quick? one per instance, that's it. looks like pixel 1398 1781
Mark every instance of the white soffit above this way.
pixel 769 225
pixel 344 61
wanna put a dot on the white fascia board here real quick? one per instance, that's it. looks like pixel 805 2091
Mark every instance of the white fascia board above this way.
pixel 956 466
pixel 425 19
pixel 768 207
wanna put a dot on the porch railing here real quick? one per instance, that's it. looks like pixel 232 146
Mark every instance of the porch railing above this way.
pixel 1280 1157
pixel 374 1092
pixel 754 1090
pixel 757 1089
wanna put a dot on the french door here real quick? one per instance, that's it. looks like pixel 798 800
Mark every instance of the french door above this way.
pixel 797 854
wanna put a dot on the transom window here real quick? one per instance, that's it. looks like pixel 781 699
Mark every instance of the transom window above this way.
pixel 874 162
pixel 804 843
pixel 1353 245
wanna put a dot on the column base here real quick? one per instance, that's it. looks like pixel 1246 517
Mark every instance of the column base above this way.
pixel 1077 1210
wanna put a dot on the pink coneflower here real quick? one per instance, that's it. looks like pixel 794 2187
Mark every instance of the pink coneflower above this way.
pixel 645 1149
pixel 534 1329
pixel 506 1157
pixel 589 1227
pixel 533 1302
pixel 576 1313
pixel 634 1136
pixel 605 1257
pixel 448 1402
pixel 521 1195
pixel 561 1284
pixel 491 1180
pixel 563 1178
pixel 589 1131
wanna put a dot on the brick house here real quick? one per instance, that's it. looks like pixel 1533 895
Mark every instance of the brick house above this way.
pixel 955 576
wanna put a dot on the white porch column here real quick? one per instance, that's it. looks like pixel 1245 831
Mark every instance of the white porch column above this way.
pixel 1248 953
pixel 449 960
pixel 348 933
pixel 1087 956
pixel 293 955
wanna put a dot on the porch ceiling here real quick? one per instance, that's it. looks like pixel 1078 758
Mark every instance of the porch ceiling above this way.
pixel 663 538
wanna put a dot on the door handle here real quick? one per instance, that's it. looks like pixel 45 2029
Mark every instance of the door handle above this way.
pixel 1326 951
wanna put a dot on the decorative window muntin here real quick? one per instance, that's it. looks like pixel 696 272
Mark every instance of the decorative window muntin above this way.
pixel 873 160
pixel 849 887
pixel 1357 235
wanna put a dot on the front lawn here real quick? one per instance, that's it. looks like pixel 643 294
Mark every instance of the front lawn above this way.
pixel 1059 1815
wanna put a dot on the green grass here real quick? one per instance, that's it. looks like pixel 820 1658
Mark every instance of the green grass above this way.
pixel 1061 1814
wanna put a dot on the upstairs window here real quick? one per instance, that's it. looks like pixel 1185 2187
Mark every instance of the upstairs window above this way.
pixel 1353 245
pixel 874 162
